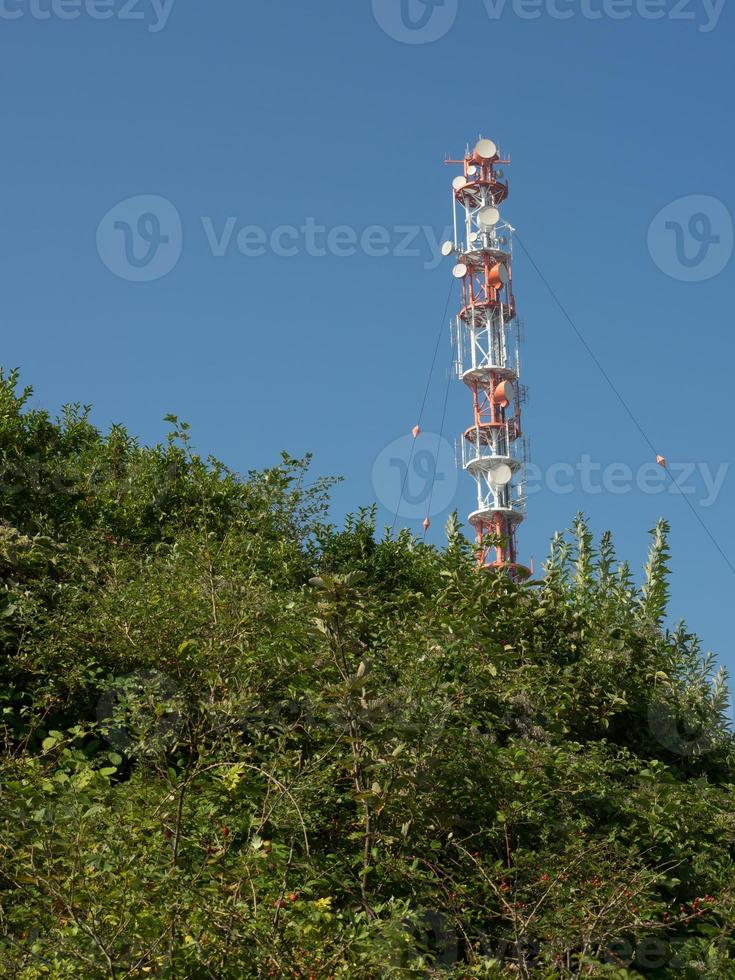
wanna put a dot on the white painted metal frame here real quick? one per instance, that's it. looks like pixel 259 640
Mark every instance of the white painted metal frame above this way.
pixel 489 342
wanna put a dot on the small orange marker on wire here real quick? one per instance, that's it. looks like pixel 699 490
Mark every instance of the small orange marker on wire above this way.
pixel 661 460
pixel 427 524
pixel 416 431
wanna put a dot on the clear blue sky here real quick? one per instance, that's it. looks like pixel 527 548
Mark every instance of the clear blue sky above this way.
pixel 281 113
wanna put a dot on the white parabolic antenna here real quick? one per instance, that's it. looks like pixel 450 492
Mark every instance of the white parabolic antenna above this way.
pixel 486 150
pixel 459 271
pixel 503 274
pixel 447 248
pixel 471 171
pixel 500 475
pixel 458 183
pixel 488 217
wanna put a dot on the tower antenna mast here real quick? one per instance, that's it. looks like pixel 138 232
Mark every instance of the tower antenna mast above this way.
pixel 488 338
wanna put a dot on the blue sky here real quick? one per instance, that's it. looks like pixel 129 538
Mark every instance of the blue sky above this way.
pixel 314 135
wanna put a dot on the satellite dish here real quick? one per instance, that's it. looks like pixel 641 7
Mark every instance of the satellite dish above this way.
pixel 473 236
pixel 459 271
pixel 500 475
pixel 458 183
pixel 447 248
pixel 498 276
pixel 485 150
pixel 488 217
pixel 471 171
pixel 503 394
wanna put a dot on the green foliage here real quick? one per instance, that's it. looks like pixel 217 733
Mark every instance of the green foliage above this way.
pixel 655 594
pixel 238 741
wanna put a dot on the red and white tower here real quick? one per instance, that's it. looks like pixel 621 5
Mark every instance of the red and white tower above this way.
pixel 488 354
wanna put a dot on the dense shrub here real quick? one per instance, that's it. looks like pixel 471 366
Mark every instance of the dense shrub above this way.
pixel 240 742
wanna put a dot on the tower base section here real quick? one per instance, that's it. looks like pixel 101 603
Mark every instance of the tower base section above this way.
pixel 496 538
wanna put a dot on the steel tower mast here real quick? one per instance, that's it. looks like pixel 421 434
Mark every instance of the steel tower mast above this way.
pixel 488 354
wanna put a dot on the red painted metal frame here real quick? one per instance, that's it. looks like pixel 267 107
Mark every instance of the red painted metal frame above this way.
pixel 484 289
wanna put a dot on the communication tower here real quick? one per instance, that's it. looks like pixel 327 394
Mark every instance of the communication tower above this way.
pixel 487 334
